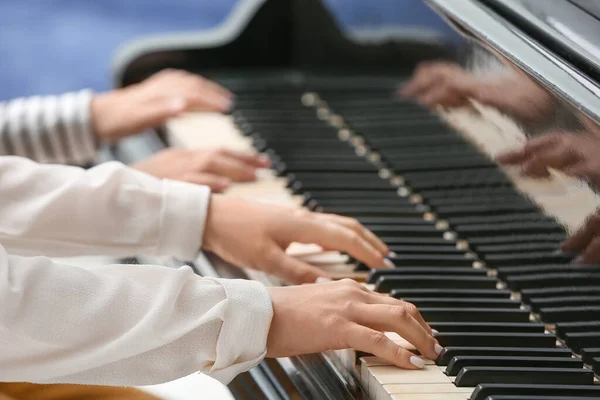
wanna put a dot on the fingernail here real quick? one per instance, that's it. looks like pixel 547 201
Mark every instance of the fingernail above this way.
pixel 434 331
pixel 323 279
pixel 389 263
pixel 392 254
pixel 223 184
pixel 417 362
pixel 264 159
pixel 438 349
pixel 226 103
pixel 177 104
pixel 578 260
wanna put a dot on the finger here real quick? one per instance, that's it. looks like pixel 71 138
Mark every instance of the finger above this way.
pixel 231 168
pixel 436 96
pixel 338 237
pixel 424 77
pixel 357 227
pixel 591 254
pixel 207 101
pixel 377 298
pixel 255 160
pixel 582 238
pixel 579 170
pixel 293 270
pixel 375 342
pixel 216 183
pixel 553 157
pixel 513 157
pixel 530 149
pixel 383 317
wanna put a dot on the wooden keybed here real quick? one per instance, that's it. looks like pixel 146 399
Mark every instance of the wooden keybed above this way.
pixel 564 198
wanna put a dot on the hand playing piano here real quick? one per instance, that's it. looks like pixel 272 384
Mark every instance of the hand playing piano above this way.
pixel 339 315
pixel 255 235
pixel 148 104
pixel 215 168
pixel 574 154
pixel 586 241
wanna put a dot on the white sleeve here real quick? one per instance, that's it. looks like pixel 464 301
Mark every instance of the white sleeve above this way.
pixel 117 325
pixel 112 210
pixel 49 129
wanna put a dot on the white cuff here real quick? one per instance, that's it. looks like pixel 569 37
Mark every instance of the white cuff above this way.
pixel 183 217
pixel 242 343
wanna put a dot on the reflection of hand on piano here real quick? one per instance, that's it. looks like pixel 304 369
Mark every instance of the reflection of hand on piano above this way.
pixel 256 235
pixel 165 95
pixel 574 154
pixel 586 241
pixel 450 85
pixel 344 314
pixel 216 168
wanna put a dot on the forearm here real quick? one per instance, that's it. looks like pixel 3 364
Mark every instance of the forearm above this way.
pixel 61 211
pixel 118 325
pixel 49 129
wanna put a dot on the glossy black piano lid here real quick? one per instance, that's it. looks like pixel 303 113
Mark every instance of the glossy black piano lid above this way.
pixel 292 35
pixel 571 29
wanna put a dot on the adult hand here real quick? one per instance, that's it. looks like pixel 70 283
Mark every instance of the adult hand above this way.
pixel 256 235
pixel 574 154
pixel 215 168
pixel 148 104
pixel 344 314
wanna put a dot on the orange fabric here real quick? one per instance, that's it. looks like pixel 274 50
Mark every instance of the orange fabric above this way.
pixel 30 391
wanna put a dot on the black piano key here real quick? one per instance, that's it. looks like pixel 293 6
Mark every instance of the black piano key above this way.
pixel 502 218
pixel 458 363
pixel 376 273
pixel 450 293
pixel 589 353
pixel 387 283
pixel 387 211
pixel 493 327
pixel 474 314
pixel 482 391
pixel 563 291
pixel 330 196
pixel 530 281
pixel 506 239
pixel 502 339
pixel 596 364
pixel 580 340
pixel 473 376
pixel 527 269
pixel 563 328
pixel 517 248
pixel 448 260
pixel 423 249
pixel 507 228
pixel 394 221
pixel 488 209
pixel 557 302
pixel 450 352
pixel 383 201
pixel 515 259
pixel 570 314
pixel 405 230
pixel 458 302
pixel 409 241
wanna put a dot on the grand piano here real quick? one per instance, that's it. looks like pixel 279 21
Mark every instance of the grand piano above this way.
pixel 476 244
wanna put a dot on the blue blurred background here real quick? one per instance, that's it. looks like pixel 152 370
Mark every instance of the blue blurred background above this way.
pixel 54 46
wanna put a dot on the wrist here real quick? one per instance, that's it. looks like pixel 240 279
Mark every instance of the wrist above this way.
pixel 104 120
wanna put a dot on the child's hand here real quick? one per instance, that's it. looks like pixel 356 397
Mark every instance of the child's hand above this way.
pixel 150 103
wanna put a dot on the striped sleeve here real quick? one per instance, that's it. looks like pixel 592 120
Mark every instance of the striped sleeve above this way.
pixel 49 129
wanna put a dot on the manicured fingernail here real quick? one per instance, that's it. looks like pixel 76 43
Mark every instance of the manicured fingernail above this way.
pixel 264 159
pixel 438 349
pixel 177 104
pixel 323 279
pixel 389 263
pixel 578 260
pixel 434 331
pixel 225 103
pixel 417 362
pixel 392 254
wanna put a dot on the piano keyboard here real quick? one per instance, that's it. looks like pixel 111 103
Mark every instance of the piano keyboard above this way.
pixel 472 247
